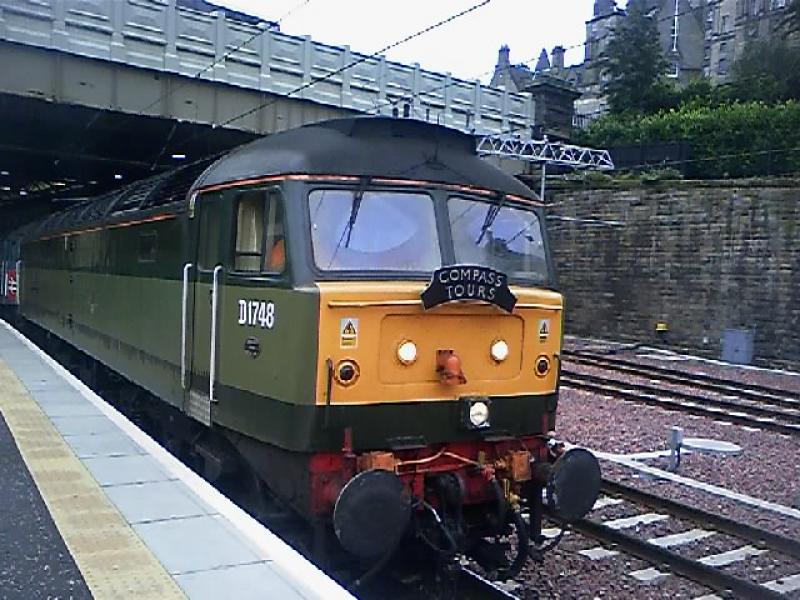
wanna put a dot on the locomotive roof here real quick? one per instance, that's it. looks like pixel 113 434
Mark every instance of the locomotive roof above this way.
pixel 382 147
pixel 362 147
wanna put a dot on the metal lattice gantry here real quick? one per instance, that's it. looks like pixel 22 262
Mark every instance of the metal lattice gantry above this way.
pixel 545 152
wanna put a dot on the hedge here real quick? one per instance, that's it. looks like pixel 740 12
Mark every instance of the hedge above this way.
pixel 732 140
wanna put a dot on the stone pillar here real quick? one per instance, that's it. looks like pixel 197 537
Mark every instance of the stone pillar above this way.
pixel 554 100
pixel 171 36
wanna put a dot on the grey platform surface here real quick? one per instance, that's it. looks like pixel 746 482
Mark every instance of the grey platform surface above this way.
pixel 203 550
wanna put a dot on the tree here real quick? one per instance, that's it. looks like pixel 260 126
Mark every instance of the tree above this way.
pixel 790 23
pixel 634 65
pixel 768 71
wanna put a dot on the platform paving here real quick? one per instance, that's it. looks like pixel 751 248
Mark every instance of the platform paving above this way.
pixel 34 561
pixel 98 509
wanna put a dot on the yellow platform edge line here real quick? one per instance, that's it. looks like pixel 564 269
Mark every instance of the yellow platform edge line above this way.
pixel 113 559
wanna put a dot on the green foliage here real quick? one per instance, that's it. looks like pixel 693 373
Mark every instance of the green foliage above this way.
pixel 597 177
pixel 766 71
pixel 730 140
pixel 662 174
pixel 634 65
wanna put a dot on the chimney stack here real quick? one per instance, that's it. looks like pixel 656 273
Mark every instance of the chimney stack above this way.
pixel 503 56
pixel 558 57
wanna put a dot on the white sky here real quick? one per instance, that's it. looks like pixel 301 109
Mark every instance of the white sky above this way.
pixel 467 47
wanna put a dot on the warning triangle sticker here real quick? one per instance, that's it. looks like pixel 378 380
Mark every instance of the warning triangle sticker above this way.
pixel 349 329
pixel 543 329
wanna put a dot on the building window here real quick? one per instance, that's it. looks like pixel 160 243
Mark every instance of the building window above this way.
pixel 777 4
pixel 724 26
pixel 674 70
pixel 722 68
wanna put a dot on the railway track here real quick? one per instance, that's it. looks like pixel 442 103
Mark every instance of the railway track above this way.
pixel 708 571
pixel 718 385
pixel 768 417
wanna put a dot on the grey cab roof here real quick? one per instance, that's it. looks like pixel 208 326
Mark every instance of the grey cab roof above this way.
pixel 382 147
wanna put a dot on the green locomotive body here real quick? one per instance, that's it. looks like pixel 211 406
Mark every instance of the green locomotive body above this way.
pixel 271 300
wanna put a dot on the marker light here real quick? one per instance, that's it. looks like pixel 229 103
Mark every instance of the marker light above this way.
pixel 542 366
pixel 499 350
pixel 347 372
pixel 479 414
pixel 407 352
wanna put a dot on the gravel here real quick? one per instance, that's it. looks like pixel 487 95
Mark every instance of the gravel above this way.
pixel 768 468
pixel 565 574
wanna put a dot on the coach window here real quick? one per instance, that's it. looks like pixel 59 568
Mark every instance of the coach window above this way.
pixel 147 247
pixel 260 244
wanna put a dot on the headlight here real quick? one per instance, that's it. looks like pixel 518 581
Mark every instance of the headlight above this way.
pixel 499 350
pixel 479 414
pixel 407 352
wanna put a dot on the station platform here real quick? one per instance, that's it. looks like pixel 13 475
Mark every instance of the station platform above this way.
pixel 92 507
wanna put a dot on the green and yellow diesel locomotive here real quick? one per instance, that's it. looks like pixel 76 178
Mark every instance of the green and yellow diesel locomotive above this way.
pixel 362 310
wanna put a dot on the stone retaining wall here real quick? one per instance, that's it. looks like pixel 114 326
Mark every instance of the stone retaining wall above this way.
pixel 704 257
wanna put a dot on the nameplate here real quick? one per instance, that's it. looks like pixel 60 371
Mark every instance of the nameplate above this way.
pixel 468 283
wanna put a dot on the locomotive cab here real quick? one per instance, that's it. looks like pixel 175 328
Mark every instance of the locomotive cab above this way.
pixel 370 315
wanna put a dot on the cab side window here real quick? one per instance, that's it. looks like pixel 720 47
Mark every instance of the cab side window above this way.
pixel 209 208
pixel 260 246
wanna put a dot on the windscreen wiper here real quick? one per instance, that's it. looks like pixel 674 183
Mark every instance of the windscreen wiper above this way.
pixel 354 208
pixel 347 232
pixel 491 215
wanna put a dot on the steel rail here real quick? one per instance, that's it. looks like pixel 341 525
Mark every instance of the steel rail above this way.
pixel 756 392
pixel 760 537
pixel 703 574
pixel 471 585
pixel 764 411
pixel 578 381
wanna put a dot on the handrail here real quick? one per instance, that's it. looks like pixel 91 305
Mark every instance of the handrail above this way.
pixel 19 280
pixel 184 325
pixel 212 367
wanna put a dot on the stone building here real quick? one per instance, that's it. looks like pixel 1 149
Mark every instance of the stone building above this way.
pixel 681 30
pixel 731 24
pixel 598 33
pixel 551 85
pixel 698 37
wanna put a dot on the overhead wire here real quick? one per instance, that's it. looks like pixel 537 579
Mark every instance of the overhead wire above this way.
pixel 439 89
